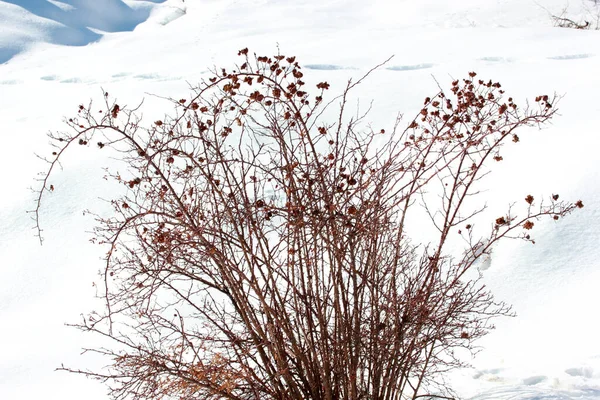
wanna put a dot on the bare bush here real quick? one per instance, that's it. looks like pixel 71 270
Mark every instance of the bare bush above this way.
pixel 587 18
pixel 562 22
pixel 260 251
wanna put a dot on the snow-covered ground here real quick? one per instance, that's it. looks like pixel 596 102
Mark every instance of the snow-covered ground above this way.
pixel 134 47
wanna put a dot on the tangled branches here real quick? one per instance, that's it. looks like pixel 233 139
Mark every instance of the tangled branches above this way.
pixel 261 252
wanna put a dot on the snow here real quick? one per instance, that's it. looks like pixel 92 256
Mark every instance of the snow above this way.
pixel 68 22
pixel 58 54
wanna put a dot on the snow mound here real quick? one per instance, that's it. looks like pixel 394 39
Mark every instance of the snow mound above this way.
pixel 66 22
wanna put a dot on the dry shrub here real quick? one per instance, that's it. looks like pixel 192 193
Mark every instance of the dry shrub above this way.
pixel 260 251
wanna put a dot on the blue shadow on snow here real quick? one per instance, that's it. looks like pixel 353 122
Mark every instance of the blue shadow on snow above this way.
pixel 77 16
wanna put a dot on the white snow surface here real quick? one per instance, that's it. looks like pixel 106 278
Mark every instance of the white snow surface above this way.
pixel 69 22
pixel 550 350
